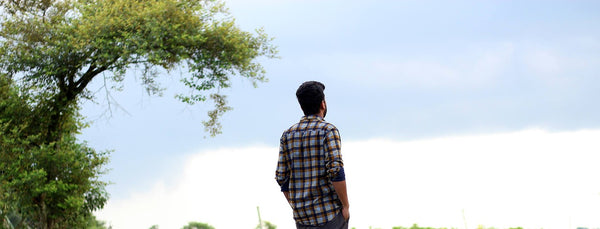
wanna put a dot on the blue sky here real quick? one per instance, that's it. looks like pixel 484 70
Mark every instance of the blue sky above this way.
pixel 402 71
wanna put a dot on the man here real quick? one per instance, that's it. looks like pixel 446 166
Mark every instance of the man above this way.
pixel 310 169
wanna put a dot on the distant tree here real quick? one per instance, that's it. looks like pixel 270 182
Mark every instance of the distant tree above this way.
pixel 197 225
pixel 415 226
pixel 266 225
pixel 94 223
pixel 154 227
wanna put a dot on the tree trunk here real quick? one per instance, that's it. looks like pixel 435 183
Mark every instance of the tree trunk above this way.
pixel 58 111
pixel 43 212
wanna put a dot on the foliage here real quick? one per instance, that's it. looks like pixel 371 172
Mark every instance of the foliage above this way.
pixel 266 225
pixel 93 223
pixel 197 225
pixel 45 184
pixel 50 50
pixel 59 46
pixel 415 226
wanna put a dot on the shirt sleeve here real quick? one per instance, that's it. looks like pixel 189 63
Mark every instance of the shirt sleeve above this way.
pixel 341 176
pixel 282 172
pixel 333 145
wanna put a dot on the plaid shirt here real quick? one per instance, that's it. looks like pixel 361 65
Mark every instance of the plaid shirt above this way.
pixel 309 158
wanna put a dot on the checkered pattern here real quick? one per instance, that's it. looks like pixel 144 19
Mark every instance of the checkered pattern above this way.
pixel 309 157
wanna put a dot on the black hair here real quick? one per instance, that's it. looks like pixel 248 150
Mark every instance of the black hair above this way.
pixel 310 95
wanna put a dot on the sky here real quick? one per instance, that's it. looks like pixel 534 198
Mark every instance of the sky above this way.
pixel 452 114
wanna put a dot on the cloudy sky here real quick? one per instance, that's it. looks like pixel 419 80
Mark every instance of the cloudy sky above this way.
pixel 452 114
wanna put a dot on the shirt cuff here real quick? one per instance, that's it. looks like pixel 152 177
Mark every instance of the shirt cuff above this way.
pixel 341 176
pixel 285 187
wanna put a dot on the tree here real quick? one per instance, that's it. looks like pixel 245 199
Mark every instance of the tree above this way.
pixel 197 225
pixel 266 225
pixel 50 50
pixel 415 226
pixel 93 223
pixel 59 46
pixel 45 185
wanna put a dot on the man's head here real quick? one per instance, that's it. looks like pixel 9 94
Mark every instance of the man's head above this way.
pixel 311 98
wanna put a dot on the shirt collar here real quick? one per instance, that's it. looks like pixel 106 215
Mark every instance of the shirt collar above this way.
pixel 309 117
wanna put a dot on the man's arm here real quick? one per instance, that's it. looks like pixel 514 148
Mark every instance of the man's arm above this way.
pixel 340 189
pixel 335 169
pixel 282 172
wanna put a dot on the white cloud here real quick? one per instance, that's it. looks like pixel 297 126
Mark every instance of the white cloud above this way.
pixel 532 178
pixel 221 187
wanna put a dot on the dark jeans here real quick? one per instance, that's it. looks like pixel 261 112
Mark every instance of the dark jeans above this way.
pixel 337 223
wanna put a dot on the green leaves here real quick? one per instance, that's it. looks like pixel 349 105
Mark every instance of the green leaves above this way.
pixel 60 46
pixel 212 125
pixel 56 182
pixel 197 225
pixel 50 50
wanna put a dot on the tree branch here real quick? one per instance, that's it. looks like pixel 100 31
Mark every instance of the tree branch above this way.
pixel 87 77
pixel 61 83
